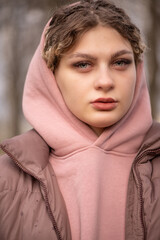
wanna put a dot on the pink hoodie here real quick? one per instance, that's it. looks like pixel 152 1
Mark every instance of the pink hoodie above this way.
pixel 92 171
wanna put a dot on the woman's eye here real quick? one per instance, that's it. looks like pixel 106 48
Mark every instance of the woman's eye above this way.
pixel 122 63
pixel 82 65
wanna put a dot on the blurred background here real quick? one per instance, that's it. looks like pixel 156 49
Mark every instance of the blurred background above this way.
pixel 21 25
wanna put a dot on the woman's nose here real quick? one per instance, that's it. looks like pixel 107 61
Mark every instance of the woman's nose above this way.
pixel 104 79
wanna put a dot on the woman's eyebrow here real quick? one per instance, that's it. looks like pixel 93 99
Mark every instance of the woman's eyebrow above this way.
pixel 88 56
pixel 120 53
pixel 82 55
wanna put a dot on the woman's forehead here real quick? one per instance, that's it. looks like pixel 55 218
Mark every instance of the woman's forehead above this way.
pixel 100 35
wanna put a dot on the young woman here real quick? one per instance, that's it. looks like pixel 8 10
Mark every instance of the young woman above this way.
pixel 90 168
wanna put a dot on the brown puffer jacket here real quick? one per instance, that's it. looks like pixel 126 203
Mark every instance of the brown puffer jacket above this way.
pixel 32 207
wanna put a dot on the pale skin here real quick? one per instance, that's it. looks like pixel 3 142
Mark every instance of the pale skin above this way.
pixel 100 65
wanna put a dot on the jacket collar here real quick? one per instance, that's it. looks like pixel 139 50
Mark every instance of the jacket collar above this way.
pixel 28 150
pixel 151 142
pixel 32 152
pixel 152 138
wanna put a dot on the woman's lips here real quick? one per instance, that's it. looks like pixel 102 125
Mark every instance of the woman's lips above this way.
pixel 105 104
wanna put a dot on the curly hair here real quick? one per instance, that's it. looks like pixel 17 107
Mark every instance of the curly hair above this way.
pixel 70 22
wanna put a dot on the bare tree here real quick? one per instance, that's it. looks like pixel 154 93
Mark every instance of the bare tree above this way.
pixel 153 38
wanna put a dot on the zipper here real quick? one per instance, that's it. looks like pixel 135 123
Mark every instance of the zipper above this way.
pixel 137 161
pixel 55 227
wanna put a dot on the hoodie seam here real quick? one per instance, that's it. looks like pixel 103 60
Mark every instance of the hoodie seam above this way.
pixel 92 147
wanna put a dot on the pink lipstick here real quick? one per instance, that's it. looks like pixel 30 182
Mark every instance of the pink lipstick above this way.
pixel 105 104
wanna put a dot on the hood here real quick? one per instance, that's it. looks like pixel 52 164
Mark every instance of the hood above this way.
pixel 46 111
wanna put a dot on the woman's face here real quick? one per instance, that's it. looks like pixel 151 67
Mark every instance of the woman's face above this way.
pixel 97 78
